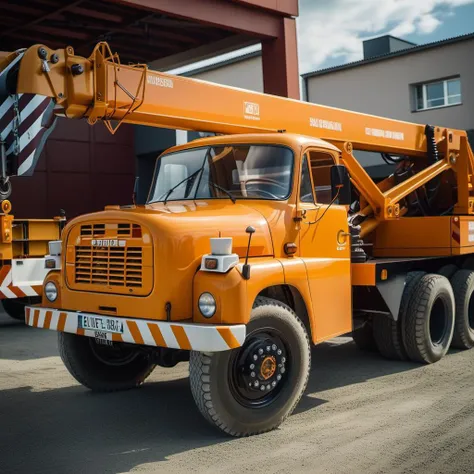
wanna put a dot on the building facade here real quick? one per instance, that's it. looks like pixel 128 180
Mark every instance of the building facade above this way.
pixel 431 83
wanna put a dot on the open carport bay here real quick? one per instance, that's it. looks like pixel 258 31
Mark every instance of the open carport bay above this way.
pixel 360 414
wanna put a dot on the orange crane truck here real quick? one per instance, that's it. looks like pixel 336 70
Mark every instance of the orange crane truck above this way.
pixel 255 243
pixel 26 121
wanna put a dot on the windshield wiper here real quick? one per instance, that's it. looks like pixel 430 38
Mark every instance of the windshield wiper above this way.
pixel 180 183
pixel 232 198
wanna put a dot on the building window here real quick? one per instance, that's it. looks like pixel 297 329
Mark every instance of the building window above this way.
pixel 438 94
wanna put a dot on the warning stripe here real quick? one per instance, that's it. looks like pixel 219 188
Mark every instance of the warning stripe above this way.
pixel 47 319
pixel 181 337
pixel 185 336
pixel 35 121
pixel 156 334
pixel 36 317
pixel 456 231
pixel 135 332
pixel 228 337
pixel 4 271
pixel 8 290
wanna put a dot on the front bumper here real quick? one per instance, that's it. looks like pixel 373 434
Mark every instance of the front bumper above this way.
pixel 173 335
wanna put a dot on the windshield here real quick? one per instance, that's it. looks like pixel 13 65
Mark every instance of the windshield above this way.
pixel 225 172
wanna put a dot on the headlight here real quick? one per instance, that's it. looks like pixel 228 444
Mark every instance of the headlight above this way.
pixel 51 291
pixel 207 305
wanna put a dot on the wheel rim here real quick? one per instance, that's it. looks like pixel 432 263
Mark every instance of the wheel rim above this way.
pixel 259 369
pixel 439 322
pixel 470 315
pixel 115 355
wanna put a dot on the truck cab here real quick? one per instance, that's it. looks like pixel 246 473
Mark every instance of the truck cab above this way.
pixel 146 261
pixel 148 280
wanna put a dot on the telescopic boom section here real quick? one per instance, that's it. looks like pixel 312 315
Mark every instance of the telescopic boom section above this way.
pixel 100 88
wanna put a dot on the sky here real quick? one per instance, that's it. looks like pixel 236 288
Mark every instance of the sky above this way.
pixel 330 32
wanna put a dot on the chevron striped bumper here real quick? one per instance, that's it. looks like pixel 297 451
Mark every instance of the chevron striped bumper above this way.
pixel 10 289
pixel 174 335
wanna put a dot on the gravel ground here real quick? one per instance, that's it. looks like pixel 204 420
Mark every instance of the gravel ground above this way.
pixel 360 414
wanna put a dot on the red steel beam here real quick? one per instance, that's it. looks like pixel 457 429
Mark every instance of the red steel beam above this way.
pixel 280 62
pixel 221 14
pixel 287 7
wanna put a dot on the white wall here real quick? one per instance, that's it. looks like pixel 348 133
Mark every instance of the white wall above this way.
pixel 246 74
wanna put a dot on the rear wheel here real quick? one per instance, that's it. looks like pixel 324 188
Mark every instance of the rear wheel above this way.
pixel 253 389
pixel 463 288
pixel 429 325
pixel 103 368
pixel 388 333
pixel 448 270
pixel 15 307
pixel 364 337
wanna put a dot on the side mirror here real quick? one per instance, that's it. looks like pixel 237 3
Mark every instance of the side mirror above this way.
pixel 341 182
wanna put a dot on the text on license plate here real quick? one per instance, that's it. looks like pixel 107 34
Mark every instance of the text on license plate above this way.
pixel 100 323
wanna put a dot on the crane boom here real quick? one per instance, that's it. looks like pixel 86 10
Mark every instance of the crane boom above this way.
pixel 101 88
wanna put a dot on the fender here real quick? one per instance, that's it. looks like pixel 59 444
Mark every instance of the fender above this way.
pixel 234 295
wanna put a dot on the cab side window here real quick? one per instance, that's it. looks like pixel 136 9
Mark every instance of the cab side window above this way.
pixel 306 191
pixel 321 164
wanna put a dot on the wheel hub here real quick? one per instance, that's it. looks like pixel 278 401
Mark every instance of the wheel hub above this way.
pixel 263 365
pixel 116 355
pixel 268 367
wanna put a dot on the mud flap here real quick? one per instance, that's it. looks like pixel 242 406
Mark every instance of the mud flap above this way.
pixel 391 292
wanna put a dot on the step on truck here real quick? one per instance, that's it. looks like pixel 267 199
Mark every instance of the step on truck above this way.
pixel 26 121
pixel 256 243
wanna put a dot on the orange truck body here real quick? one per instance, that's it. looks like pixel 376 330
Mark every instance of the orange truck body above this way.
pixel 143 268
pixel 107 90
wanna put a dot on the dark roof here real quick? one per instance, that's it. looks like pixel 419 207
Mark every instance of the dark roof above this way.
pixel 402 52
pixel 394 37
pixel 219 64
pixel 136 34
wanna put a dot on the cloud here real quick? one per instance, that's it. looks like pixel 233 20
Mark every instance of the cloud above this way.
pixel 336 28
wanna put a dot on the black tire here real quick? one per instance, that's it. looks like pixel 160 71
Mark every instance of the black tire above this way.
pixel 448 270
pixel 235 408
pixel 388 334
pixel 122 368
pixel 364 338
pixel 15 307
pixel 468 263
pixel 429 325
pixel 463 289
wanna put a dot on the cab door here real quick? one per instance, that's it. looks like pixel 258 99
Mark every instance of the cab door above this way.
pixel 325 246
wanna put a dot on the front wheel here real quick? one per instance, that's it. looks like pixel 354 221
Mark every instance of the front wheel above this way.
pixel 253 389
pixel 15 307
pixel 103 368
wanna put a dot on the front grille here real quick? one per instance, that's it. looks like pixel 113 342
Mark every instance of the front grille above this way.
pixel 92 230
pixel 120 230
pixel 109 266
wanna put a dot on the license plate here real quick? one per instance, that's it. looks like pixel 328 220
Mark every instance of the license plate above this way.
pixel 100 324
pixel 101 338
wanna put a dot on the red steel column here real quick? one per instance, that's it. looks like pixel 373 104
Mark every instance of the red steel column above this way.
pixel 280 62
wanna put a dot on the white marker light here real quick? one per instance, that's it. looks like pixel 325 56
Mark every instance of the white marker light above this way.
pixel 51 291
pixel 207 305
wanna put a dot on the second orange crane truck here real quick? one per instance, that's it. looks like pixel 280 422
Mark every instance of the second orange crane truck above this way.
pixel 26 121
pixel 255 244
